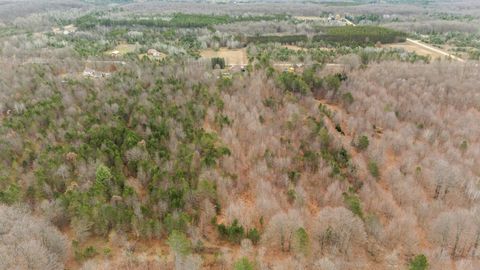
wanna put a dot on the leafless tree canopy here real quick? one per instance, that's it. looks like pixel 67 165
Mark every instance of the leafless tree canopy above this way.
pixel 123 146
pixel 27 242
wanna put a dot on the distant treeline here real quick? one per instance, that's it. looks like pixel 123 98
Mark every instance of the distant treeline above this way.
pixel 287 39
pixel 359 35
pixel 340 35
pixel 179 20
pixel 107 1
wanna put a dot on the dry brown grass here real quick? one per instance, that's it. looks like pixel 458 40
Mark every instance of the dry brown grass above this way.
pixel 409 47
pixel 309 18
pixel 294 48
pixel 123 48
pixel 232 56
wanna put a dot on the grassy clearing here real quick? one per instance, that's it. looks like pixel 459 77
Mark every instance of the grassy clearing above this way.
pixel 294 48
pixel 309 18
pixel 151 57
pixel 231 56
pixel 123 49
pixel 409 47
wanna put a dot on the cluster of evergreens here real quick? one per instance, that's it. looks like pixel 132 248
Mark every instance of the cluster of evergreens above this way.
pixel 177 20
pixel 125 130
pixel 218 62
pixel 359 35
pixel 235 233
pixel 284 39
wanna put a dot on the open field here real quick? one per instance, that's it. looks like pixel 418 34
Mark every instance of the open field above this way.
pixel 409 47
pixel 123 48
pixel 433 49
pixel 294 48
pixel 151 57
pixel 309 18
pixel 232 56
pixel 64 30
pixel 422 49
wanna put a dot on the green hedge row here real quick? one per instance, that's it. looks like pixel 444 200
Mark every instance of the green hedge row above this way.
pixel 289 39
pixel 359 35
pixel 178 20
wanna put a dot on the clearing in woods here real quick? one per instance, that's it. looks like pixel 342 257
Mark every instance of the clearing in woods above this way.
pixel 410 47
pixel 123 49
pixel 423 49
pixel 231 56
pixel 294 48
pixel 309 18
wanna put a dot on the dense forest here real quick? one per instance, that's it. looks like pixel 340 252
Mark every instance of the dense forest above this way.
pixel 269 135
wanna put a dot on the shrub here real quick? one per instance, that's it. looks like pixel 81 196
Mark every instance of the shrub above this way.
pixel 418 263
pixel 292 82
pixel 102 180
pixel 10 195
pixel 362 143
pixel 353 203
pixel 301 241
pixel 218 61
pixel 253 235
pixel 176 221
pixel 233 233
pixel 179 243
pixel 209 150
pixel 86 253
pixel 348 98
pixel 339 129
pixel 294 176
pixel 373 169
pixel 243 264
pixel 291 195
pixel 332 82
pixel 464 146
pixel 322 108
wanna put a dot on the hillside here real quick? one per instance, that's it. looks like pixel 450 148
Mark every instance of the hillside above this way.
pixel 203 146
pixel 153 153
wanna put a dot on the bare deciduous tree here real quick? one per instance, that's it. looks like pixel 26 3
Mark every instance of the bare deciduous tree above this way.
pixel 28 242
pixel 281 228
pixel 337 230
